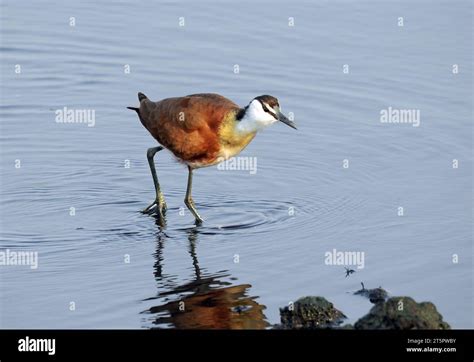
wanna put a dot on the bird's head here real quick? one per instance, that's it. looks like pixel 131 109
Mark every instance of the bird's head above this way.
pixel 263 111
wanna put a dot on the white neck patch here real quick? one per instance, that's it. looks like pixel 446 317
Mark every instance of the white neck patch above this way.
pixel 255 118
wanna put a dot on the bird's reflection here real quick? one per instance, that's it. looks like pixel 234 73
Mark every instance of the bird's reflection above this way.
pixel 206 301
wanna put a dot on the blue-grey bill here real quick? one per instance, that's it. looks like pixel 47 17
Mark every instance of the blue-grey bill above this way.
pixel 285 120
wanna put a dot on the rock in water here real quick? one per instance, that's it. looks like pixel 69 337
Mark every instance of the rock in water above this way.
pixel 375 296
pixel 311 313
pixel 402 313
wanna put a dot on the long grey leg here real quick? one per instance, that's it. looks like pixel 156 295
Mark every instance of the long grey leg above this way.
pixel 189 200
pixel 159 204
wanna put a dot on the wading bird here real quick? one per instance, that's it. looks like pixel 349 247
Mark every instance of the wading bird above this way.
pixel 202 130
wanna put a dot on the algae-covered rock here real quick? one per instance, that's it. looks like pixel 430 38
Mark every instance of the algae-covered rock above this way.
pixel 402 313
pixel 310 313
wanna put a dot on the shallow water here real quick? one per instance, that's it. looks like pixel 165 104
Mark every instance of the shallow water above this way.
pixel 279 222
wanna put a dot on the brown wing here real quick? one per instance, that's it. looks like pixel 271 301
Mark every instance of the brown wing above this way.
pixel 187 126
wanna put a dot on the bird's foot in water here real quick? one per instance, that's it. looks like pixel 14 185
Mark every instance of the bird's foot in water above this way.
pixel 198 221
pixel 157 207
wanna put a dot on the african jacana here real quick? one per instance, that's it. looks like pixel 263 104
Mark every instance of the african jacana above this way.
pixel 202 130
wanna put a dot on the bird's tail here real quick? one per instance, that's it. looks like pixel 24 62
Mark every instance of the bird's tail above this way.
pixel 141 97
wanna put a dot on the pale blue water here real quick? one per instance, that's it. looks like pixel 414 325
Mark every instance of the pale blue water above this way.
pixel 281 254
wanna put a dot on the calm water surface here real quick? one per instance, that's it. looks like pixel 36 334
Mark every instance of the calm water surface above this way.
pixel 278 222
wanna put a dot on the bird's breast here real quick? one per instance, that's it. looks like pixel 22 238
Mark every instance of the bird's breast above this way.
pixel 232 141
